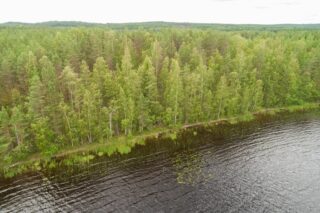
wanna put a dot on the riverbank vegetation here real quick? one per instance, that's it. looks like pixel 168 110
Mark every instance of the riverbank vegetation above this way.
pixel 80 155
pixel 65 88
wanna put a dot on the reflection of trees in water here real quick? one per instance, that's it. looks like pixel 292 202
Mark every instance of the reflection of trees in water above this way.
pixel 190 168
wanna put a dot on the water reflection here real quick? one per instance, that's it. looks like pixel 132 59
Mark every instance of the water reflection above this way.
pixel 190 169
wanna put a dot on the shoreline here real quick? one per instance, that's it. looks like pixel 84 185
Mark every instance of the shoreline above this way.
pixel 82 154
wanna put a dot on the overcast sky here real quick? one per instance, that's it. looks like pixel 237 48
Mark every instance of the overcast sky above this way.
pixel 208 11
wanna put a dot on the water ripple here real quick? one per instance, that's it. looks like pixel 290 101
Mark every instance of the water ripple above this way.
pixel 270 166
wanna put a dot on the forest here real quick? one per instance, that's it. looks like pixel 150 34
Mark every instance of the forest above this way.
pixel 68 86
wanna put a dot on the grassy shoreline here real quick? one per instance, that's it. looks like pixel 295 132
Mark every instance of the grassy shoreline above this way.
pixel 81 154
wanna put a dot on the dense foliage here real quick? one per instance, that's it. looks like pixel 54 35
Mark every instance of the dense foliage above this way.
pixel 67 86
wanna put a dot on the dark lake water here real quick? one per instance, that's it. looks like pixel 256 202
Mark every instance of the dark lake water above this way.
pixel 271 165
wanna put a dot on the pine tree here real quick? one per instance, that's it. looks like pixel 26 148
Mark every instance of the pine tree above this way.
pixel 44 137
pixel 156 56
pixel 100 72
pixel 173 95
pixel 232 107
pixel 258 96
pixel 85 74
pixel 70 81
pixel 221 97
pixel 52 96
pixel 31 65
pixel 148 86
pixel 5 136
pixel 127 110
pixel 36 98
pixel 163 81
pixel 70 105
pixel 192 98
pixel 126 63
pixel 17 122
pixel 91 110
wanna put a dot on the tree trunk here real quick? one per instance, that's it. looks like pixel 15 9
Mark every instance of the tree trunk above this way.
pixel 16 135
pixel 110 123
pixel 219 111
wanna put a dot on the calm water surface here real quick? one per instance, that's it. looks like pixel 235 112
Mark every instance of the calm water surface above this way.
pixel 266 166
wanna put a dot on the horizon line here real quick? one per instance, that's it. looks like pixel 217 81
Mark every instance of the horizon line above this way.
pixel 160 21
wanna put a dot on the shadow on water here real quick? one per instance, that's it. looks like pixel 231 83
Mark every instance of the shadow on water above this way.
pixel 266 165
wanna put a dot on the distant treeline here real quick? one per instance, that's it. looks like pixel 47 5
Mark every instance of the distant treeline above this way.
pixel 160 25
pixel 67 86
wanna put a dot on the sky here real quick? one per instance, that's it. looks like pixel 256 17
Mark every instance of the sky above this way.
pixel 198 11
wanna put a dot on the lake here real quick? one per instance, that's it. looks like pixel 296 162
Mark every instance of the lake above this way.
pixel 268 165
